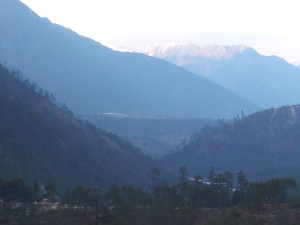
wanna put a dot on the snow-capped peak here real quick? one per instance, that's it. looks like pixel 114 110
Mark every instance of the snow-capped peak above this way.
pixel 179 50
pixel 163 50
pixel 222 51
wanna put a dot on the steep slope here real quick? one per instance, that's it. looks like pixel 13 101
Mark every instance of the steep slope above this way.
pixel 91 78
pixel 267 80
pixel 38 139
pixel 264 145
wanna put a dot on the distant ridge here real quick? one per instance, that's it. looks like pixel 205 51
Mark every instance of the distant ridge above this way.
pixel 91 78
pixel 267 80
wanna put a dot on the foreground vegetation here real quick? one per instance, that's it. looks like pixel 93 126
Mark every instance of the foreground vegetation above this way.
pixel 209 201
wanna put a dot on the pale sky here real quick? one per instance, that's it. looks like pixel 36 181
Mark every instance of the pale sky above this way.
pixel 269 26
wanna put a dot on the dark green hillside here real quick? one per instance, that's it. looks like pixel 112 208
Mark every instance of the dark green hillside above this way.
pixel 265 144
pixel 38 139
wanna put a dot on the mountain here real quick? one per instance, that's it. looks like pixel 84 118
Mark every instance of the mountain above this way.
pixel 267 80
pixel 39 139
pixel 264 145
pixel 186 53
pixel 155 136
pixel 91 78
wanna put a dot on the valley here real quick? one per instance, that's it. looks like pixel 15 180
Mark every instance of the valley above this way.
pixel 180 134
pixel 155 136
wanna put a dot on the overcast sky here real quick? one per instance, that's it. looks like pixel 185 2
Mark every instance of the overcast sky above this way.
pixel 269 26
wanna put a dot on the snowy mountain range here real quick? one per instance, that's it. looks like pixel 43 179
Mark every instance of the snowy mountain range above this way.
pixel 184 52
pixel 267 80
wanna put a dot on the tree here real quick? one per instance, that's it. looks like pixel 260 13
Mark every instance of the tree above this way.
pixel 155 173
pixel 79 196
pixel 183 184
pixel 211 173
pixel 50 189
pixel 113 196
pixel 95 197
pixel 182 173
pixel 228 178
pixel 242 181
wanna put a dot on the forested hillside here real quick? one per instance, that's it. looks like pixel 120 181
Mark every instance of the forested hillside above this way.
pixel 39 140
pixel 265 145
